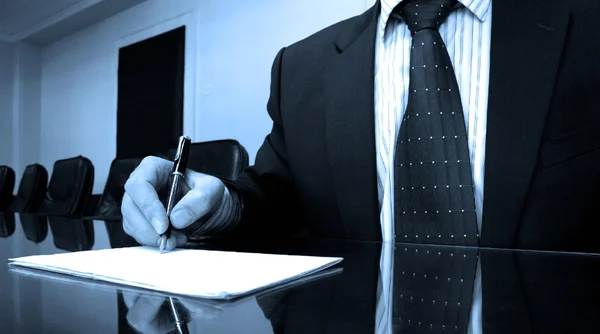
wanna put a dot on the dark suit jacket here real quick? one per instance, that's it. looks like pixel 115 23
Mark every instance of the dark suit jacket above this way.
pixel 532 292
pixel 316 169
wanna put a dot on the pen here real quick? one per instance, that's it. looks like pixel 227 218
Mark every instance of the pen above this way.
pixel 180 323
pixel 176 178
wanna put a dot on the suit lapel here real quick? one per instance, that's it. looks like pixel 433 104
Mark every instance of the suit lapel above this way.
pixel 350 127
pixel 527 40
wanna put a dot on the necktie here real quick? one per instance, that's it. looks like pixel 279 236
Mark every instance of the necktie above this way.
pixel 434 199
pixel 433 288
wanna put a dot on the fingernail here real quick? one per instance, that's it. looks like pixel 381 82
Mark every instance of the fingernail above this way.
pixel 162 245
pixel 181 218
pixel 158 226
pixel 171 244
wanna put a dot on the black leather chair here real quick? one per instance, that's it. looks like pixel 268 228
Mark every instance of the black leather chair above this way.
pixel 220 158
pixel 109 205
pixel 35 227
pixel 70 187
pixel 72 234
pixel 32 190
pixel 7 184
pixel 7 224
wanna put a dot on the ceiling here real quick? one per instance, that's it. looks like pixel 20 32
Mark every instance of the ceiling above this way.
pixel 44 21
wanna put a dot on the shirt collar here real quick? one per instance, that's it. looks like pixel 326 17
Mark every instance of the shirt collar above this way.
pixel 478 7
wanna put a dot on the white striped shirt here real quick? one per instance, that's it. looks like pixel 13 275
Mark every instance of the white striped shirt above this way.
pixel 467 35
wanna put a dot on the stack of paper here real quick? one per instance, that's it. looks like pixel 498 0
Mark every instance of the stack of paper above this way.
pixel 191 272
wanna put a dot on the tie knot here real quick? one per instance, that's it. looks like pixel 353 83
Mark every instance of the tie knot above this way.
pixel 425 14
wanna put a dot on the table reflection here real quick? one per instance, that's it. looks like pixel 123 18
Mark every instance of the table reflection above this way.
pixel 7 224
pixel 382 288
pixel 519 292
pixel 35 227
pixel 72 234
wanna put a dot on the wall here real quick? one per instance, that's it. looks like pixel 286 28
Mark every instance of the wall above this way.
pixel 6 150
pixel 6 103
pixel 26 106
pixel 230 46
pixel 236 58
pixel 20 82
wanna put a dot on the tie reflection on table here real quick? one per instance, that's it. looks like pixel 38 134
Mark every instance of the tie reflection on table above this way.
pixel 425 289
pixel 513 291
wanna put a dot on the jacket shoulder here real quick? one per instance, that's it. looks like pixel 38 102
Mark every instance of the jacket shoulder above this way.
pixel 327 35
pixel 321 45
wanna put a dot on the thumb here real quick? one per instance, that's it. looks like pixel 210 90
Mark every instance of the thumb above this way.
pixel 193 206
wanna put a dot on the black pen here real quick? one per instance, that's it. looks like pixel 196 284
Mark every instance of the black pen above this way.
pixel 176 178
pixel 178 319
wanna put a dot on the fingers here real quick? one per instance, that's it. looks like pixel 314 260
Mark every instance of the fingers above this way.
pixel 205 195
pixel 155 170
pixel 136 225
pixel 193 206
pixel 141 188
pixel 144 215
pixel 144 315
pixel 145 198
pixel 177 239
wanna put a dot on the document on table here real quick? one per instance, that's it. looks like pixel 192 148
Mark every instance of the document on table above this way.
pixel 191 272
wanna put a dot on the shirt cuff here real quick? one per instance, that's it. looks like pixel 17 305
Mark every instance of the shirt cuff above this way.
pixel 224 219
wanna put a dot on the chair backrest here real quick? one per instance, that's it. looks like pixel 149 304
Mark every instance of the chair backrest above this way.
pixel 32 190
pixel 7 224
pixel 70 187
pixel 34 227
pixel 7 185
pixel 109 205
pixel 221 158
pixel 72 234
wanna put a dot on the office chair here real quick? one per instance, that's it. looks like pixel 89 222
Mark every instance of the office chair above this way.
pixel 7 184
pixel 72 234
pixel 70 187
pixel 109 205
pixel 7 224
pixel 32 190
pixel 220 158
pixel 35 227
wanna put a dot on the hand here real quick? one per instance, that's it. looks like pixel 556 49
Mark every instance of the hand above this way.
pixel 150 313
pixel 145 216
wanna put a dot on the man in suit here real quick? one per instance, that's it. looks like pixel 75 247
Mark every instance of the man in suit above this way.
pixel 343 104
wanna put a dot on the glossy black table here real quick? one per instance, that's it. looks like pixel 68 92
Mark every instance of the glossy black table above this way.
pixel 522 291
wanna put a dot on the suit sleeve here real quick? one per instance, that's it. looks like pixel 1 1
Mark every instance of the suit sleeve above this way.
pixel 266 190
pixel 262 200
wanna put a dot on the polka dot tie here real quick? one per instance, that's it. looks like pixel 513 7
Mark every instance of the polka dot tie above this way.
pixel 433 289
pixel 434 198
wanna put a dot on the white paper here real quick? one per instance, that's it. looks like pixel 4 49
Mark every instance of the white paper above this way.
pixel 190 272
